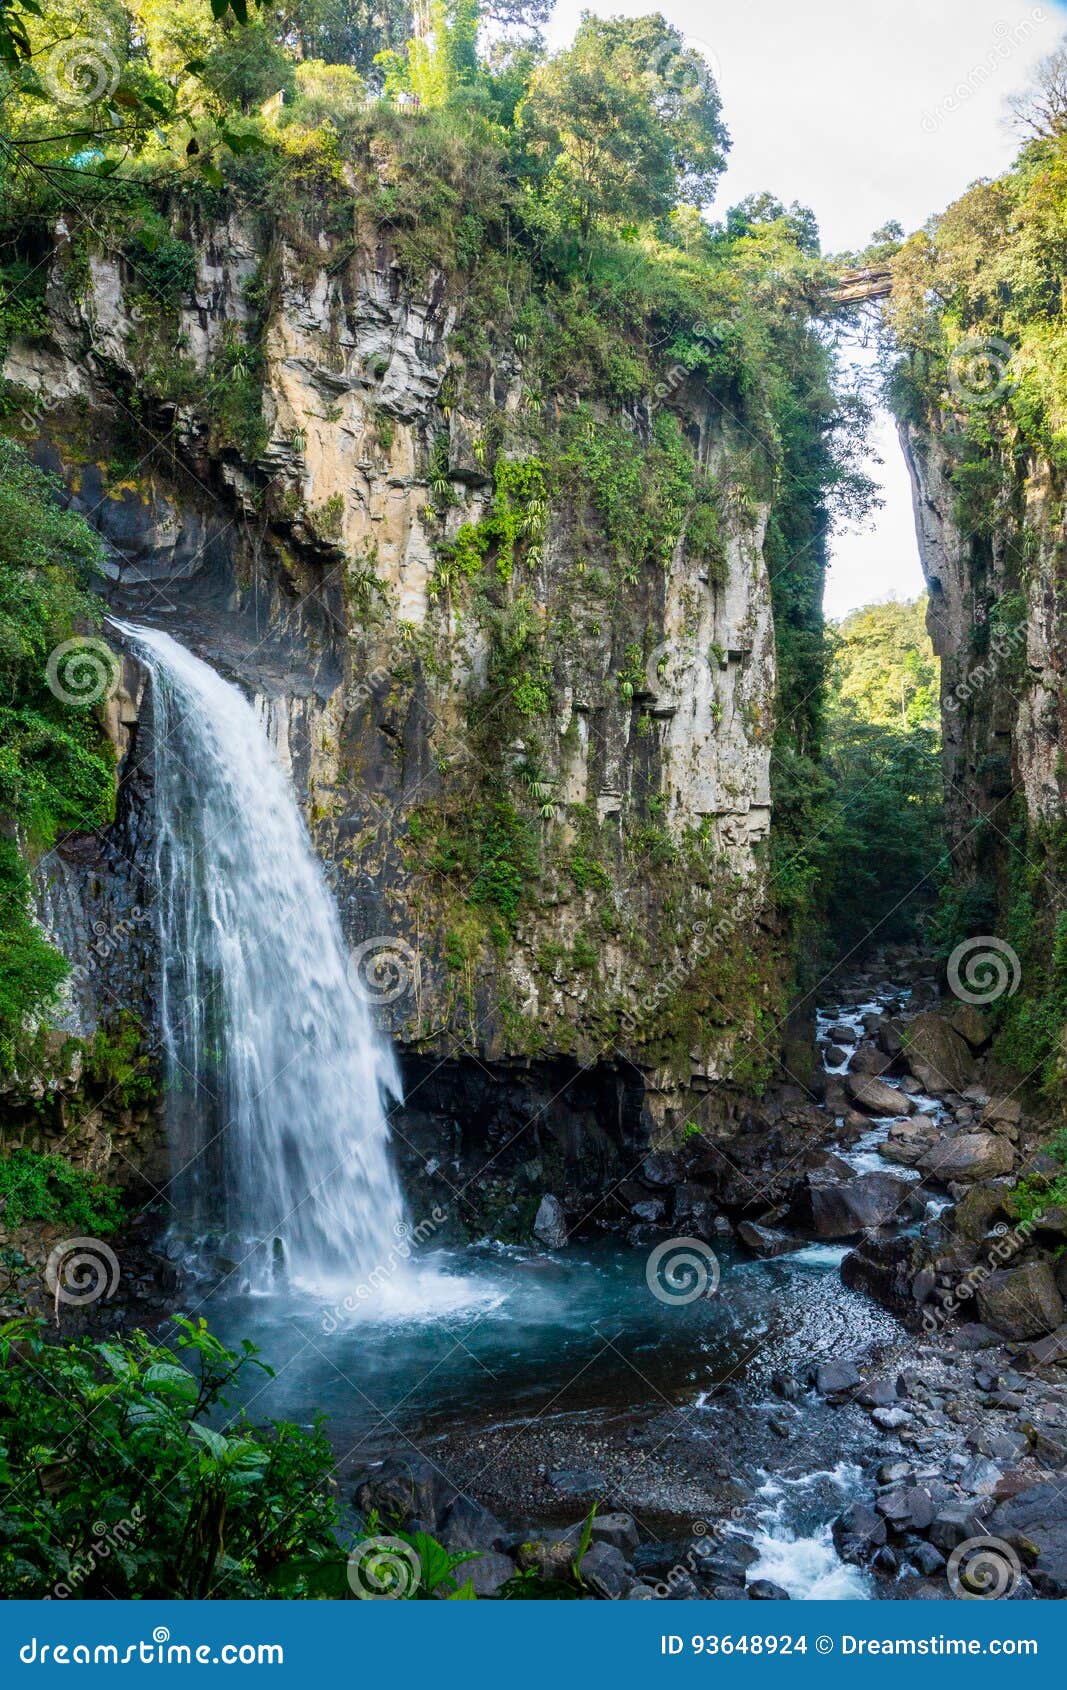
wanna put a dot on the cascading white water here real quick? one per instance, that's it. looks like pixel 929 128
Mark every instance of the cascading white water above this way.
pixel 276 1078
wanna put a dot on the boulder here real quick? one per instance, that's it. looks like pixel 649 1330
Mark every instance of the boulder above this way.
pixel 764 1240
pixel 694 1211
pixel 907 1509
pixel 604 1568
pixel 1034 1523
pixel 868 1060
pixel 1002 1112
pixel 969 1023
pixel 907 1142
pixel 836 1378
pixel 402 1488
pixel 877 1097
pixel 968 1156
pixel 858 1533
pixel 978 1212
pixel 841 1209
pixel 885 1268
pixel 486 1574
pixel 550 1223
pixel 1022 1302
pixel 618 1529
pixel 938 1055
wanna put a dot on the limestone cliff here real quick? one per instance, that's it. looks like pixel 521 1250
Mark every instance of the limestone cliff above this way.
pixel 537 770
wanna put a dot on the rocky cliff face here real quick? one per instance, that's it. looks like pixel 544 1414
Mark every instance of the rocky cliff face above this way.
pixel 996 618
pixel 994 569
pixel 539 779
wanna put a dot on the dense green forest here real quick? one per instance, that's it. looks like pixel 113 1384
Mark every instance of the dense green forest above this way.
pixel 883 756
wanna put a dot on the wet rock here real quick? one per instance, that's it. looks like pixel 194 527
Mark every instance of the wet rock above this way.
pixel 968 1156
pixel 652 1210
pixel 878 1393
pixel 890 1419
pixel 908 1509
pixel 980 1477
pixel 550 1223
pixel 836 1378
pixel 953 1524
pixel 843 1033
pixel 1022 1302
pixel 877 1097
pixel 907 1142
pixel 858 1533
pixel 885 1267
pixel 835 1055
pixel 925 1558
pixel 661 1167
pixel 762 1590
pixel 860 1204
pixel 694 1212
pixel 764 1241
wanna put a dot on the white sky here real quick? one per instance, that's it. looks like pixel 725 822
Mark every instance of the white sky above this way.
pixel 866 112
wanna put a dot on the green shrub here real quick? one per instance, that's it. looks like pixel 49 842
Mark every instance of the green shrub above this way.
pixel 39 1187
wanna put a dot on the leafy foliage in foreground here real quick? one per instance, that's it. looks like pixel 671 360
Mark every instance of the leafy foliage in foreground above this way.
pixel 122 1475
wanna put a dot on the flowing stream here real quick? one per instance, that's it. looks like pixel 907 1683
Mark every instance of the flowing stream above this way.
pixel 276 1078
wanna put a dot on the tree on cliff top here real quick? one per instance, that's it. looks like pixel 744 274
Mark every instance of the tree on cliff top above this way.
pixel 627 121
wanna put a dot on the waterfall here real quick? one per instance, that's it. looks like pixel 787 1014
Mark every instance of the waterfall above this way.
pixel 276 1078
